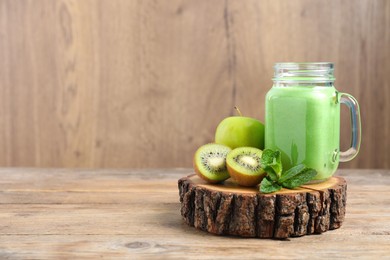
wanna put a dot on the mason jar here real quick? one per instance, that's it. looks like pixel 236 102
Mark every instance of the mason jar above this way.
pixel 302 118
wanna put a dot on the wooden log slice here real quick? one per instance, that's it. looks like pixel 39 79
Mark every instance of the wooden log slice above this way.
pixel 229 209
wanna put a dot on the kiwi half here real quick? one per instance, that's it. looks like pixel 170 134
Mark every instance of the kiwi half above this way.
pixel 210 162
pixel 244 167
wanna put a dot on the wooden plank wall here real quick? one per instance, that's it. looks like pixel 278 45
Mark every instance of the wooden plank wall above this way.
pixel 144 83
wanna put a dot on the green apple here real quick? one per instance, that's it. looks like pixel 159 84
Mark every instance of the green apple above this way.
pixel 240 131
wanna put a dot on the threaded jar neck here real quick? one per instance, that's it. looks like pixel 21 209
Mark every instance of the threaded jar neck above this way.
pixel 304 72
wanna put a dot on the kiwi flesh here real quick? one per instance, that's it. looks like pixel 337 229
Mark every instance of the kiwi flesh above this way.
pixel 210 162
pixel 244 166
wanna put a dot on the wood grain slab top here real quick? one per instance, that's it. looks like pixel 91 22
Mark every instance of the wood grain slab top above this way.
pixel 133 214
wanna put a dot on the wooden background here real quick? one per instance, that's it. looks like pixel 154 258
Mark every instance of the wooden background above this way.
pixel 143 83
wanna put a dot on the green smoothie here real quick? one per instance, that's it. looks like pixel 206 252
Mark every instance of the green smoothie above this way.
pixel 303 122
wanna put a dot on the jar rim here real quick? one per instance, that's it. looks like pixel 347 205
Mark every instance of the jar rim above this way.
pixel 320 63
pixel 304 72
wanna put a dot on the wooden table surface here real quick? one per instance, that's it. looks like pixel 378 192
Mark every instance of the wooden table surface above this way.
pixel 57 213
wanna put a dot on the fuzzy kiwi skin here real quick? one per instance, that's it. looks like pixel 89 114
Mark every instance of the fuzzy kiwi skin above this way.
pixel 245 179
pixel 197 171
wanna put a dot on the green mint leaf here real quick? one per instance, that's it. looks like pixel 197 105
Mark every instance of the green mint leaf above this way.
pixel 271 162
pixel 294 171
pixel 271 173
pixel 299 178
pixel 269 186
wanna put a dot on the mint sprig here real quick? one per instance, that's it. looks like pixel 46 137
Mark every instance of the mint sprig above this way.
pixel 276 178
pixel 271 163
pixel 268 186
pixel 303 176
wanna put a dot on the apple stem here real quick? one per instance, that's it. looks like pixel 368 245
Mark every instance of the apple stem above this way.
pixel 238 111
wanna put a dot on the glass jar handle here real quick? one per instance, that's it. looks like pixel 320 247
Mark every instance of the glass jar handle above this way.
pixel 354 110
